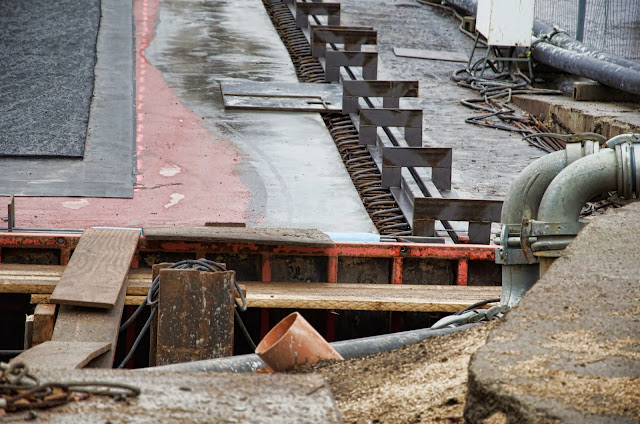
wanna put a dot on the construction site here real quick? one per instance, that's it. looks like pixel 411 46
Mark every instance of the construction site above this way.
pixel 297 211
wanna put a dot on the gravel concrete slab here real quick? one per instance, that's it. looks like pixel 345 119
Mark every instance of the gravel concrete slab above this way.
pixel 194 398
pixel 47 54
pixel 570 351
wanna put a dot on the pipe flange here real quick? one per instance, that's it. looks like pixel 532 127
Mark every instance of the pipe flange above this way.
pixel 626 172
pixel 573 151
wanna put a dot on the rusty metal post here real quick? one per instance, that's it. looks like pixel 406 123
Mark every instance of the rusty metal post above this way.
pixel 195 315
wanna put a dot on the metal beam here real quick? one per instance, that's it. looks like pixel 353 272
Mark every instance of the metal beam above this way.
pixel 390 91
pixel 351 37
pixel 336 59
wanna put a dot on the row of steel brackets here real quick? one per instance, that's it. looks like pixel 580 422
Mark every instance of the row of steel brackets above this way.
pixel 422 212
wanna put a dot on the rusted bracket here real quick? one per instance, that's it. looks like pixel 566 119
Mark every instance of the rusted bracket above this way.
pixel 11 214
pixel 479 213
pixel 368 61
pixel 409 119
pixel 390 91
pixel 439 159
pixel 353 38
pixel 303 10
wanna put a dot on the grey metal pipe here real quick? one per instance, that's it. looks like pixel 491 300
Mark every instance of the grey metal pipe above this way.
pixel 525 193
pixel 523 197
pixel 576 185
pixel 347 349
pixel 607 73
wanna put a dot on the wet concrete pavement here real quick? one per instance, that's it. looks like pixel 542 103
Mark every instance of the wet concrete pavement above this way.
pixel 197 163
pixel 288 160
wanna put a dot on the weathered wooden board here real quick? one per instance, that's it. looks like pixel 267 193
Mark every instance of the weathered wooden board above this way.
pixel 62 355
pixel 43 321
pixel 195 315
pixel 259 236
pixel 364 297
pixel 34 279
pixel 97 269
pixel 367 297
pixel 431 54
pixel 83 324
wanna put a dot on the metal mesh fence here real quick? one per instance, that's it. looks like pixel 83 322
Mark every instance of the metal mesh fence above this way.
pixel 612 26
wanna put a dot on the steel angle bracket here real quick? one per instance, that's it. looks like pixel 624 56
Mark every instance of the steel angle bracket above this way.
pixel 439 159
pixel 304 9
pixel 390 91
pixel 353 38
pixel 334 60
pixel 477 212
pixel 409 119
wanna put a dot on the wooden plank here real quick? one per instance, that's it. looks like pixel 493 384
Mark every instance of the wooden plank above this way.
pixel 38 299
pixel 431 54
pixel 33 279
pixel 43 320
pixel 62 355
pixel 259 236
pixel 82 324
pixel 363 297
pixel 97 269
pixel 195 315
pixel 367 297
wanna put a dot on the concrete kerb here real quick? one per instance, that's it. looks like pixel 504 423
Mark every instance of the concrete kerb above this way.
pixel 569 351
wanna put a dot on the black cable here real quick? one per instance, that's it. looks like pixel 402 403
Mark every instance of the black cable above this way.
pixel 244 330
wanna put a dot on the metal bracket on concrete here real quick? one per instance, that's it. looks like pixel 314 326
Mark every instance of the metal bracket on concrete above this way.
pixel 336 59
pixel 409 119
pixel 353 38
pixel 281 96
pixel 479 213
pixel 303 10
pixel 437 158
pixel 390 91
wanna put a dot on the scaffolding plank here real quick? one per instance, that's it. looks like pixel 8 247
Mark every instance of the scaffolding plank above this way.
pixel 347 296
pixel 98 268
pixel 281 96
pixel 258 236
pixel 44 318
pixel 62 355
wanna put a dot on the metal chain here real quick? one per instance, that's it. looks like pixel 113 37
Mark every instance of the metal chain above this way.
pixel 21 390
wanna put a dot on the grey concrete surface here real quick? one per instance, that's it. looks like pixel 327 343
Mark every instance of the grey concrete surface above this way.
pixel 290 163
pixel 108 167
pixel 570 351
pixel 47 53
pixel 485 161
pixel 194 398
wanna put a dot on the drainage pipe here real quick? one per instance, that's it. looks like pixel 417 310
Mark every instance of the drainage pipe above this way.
pixel 522 199
pixel 347 349
pixel 577 184
pixel 607 73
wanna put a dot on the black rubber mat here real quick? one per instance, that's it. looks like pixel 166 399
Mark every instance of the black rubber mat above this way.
pixel 47 57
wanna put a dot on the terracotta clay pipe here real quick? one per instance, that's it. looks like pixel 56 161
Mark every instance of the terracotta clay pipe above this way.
pixel 294 342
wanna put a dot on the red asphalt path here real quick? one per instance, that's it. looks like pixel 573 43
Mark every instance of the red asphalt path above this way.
pixel 185 175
